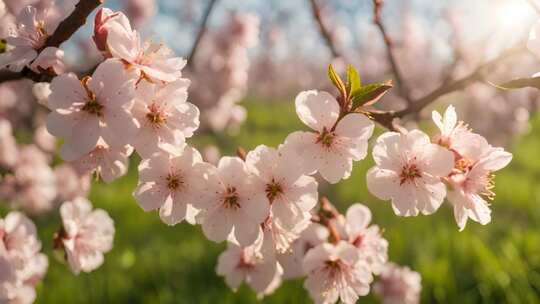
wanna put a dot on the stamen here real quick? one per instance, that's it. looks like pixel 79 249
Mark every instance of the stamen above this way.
pixel 273 190
pixel 409 172
pixel 231 199
pixel 326 138
pixel 92 106
pixel 155 116
pixel 174 182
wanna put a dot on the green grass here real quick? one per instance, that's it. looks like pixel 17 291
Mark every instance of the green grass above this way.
pixel 153 263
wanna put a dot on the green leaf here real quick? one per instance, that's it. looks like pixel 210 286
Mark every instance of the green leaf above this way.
pixel 336 80
pixel 353 80
pixel 369 94
pixel 3 45
pixel 520 83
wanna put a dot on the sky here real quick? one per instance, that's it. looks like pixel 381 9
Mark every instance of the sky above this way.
pixel 176 22
pixel 509 18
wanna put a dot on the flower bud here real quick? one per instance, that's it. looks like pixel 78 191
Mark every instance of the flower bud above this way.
pixel 101 31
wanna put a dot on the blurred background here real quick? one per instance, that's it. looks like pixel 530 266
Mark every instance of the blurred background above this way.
pixel 251 60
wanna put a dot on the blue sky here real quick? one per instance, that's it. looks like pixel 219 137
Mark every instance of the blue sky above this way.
pixel 506 20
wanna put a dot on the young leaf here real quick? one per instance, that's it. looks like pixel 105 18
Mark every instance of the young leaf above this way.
pixel 520 83
pixel 336 80
pixel 353 80
pixel 369 94
pixel 3 46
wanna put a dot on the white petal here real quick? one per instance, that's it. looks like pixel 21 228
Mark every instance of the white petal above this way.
pixel 151 196
pixel 382 183
pixel 317 109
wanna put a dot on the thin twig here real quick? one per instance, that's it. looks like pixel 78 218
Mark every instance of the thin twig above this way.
pixel 387 118
pixel 202 29
pixel 323 30
pixel 459 84
pixel 402 86
pixel 63 32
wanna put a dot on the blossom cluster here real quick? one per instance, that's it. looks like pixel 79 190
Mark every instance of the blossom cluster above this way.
pixel 414 171
pixel 221 66
pixel 22 265
pixel 262 203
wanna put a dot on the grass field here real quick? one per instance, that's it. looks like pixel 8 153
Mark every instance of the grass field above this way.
pixel 153 263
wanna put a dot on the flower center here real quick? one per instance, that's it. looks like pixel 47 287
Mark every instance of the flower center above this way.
pixel 246 261
pixel 173 182
pixel 273 189
pixel 92 106
pixel 155 116
pixel 231 198
pixel 326 138
pixel 462 164
pixel 409 172
pixel 333 268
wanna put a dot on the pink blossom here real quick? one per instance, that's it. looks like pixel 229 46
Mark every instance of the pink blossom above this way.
pixel 236 209
pixel 107 162
pixel 313 235
pixel 34 26
pixel 408 171
pixel 211 154
pixel 41 91
pixel 140 11
pixel 398 285
pixel 277 239
pixel 22 265
pixel 103 18
pixel 472 181
pixel 51 59
pixel 153 61
pixel 44 140
pixel 172 183
pixel 373 248
pixel 290 194
pixel 336 272
pixel 335 143
pixel 238 264
pixel 87 234
pixel 8 145
pixel 29 36
pixel 98 106
pixel 454 134
pixel 164 117
pixel 32 183
pixel 70 184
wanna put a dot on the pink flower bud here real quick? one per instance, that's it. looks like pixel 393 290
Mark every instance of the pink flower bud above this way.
pixel 101 31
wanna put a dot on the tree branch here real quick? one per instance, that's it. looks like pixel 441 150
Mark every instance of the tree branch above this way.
pixel 73 22
pixel 63 32
pixel 202 29
pixel 323 30
pixel 387 118
pixel 402 86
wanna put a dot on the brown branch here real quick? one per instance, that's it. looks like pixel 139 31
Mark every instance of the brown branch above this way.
pixel 459 84
pixel 402 86
pixel 387 118
pixel 63 32
pixel 323 30
pixel 72 23
pixel 202 30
